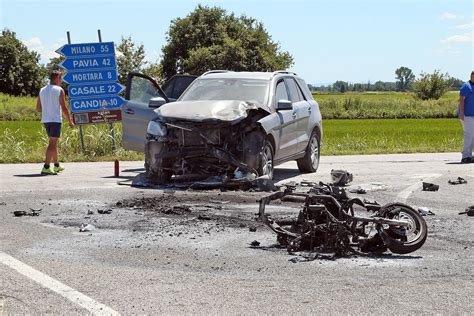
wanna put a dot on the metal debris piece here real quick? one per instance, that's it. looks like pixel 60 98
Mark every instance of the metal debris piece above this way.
pixel 86 228
pixel 341 177
pixel 204 217
pixel 255 243
pixel 358 190
pixel 330 221
pixel 425 211
pixel 459 180
pixel 430 186
pixel 107 211
pixel 32 212
pixel 469 211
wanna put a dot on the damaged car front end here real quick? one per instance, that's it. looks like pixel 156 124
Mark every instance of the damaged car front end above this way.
pixel 218 138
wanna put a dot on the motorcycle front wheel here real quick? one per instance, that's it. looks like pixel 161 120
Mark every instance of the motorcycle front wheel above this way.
pixel 404 239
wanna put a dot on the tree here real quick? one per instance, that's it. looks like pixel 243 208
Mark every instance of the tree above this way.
pixel 454 83
pixel 341 86
pixel 209 38
pixel 154 70
pixel 20 72
pixel 431 86
pixel 130 57
pixel 405 78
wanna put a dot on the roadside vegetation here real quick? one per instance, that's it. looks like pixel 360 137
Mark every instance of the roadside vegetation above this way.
pixel 25 141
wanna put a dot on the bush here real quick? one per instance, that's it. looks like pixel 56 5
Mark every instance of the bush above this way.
pixel 431 86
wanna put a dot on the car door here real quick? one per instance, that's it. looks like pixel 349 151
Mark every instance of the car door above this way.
pixel 287 141
pixel 136 112
pixel 302 109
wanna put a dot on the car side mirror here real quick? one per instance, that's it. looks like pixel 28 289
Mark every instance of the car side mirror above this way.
pixel 156 102
pixel 284 105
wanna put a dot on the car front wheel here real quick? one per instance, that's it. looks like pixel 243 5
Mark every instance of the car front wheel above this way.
pixel 265 166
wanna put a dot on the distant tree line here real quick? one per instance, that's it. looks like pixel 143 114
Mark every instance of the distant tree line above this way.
pixel 427 86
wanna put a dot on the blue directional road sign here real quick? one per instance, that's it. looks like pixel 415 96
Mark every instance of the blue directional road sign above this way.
pixel 86 49
pixel 94 89
pixel 96 103
pixel 80 63
pixel 90 76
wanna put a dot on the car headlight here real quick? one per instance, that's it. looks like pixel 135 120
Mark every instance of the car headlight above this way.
pixel 156 128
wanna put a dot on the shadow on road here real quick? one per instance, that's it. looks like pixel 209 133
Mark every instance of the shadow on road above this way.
pixel 32 175
pixel 284 173
pixel 134 170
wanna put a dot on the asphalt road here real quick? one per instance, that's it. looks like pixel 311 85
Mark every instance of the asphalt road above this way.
pixel 137 261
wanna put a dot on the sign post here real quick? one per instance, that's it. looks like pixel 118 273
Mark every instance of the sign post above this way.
pixel 93 88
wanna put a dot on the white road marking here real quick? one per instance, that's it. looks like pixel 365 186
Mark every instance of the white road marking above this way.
pixel 405 194
pixel 74 296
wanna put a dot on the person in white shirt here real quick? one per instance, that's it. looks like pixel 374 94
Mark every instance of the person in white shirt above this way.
pixel 52 104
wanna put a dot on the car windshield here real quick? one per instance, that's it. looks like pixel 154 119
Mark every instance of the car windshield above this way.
pixel 251 90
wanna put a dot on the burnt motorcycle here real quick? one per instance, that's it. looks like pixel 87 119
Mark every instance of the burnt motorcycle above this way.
pixel 332 222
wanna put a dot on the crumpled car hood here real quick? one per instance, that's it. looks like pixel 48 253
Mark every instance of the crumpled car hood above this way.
pixel 210 110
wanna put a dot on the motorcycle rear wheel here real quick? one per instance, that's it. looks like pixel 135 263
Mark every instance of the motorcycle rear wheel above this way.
pixel 404 239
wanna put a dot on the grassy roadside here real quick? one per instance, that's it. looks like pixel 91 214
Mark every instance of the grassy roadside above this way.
pixel 25 141
pixel 333 106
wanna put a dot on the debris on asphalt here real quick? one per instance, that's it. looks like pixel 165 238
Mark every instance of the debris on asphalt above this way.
pixel 469 211
pixel 32 212
pixel 459 180
pixel 106 211
pixel 86 228
pixel 252 229
pixel 430 187
pixel 204 217
pixel 90 212
pixel 255 243
pixel 358 190
pixel 425 211
pixel 341 177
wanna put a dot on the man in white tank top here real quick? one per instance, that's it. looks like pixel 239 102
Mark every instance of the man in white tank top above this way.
pixel 52 103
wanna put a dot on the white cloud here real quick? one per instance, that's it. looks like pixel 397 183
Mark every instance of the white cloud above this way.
pixel 467 26
pixel 46 51
pixel 33 42
pixel 450 16
pixel 460 38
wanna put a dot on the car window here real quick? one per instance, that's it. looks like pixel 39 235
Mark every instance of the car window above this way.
pixel 295 94
pixel 304 88
pixel 174 87
pixel 281 93
pixel 251 90
pixel 142 90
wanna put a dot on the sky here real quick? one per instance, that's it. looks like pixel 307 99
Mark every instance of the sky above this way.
pixel 349 40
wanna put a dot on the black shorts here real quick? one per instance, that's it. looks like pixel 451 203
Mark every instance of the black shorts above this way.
pixel 53 129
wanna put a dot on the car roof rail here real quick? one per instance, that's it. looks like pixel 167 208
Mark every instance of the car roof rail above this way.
pixel 284 72
pixel 214 72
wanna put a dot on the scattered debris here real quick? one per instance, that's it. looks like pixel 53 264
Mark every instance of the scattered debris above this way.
pixel 430 186
pixel 358 190
pixel 340 177
pixel 3 203
pixel 459 180
pixel 32 212
pixel 469 211
pixel 255 243
pixel 86 228
pixel 90 212
pixel 252 229
pixel 204 217
pixel 107 211
pixel 425 211
pixel 177 209
pixel 330 222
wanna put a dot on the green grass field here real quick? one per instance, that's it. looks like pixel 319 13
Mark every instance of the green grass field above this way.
pixel 333 106
pixel 25 141
pixel 385 105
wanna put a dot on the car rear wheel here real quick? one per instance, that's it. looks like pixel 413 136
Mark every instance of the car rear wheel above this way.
pixel 310 162
pixel 265 166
